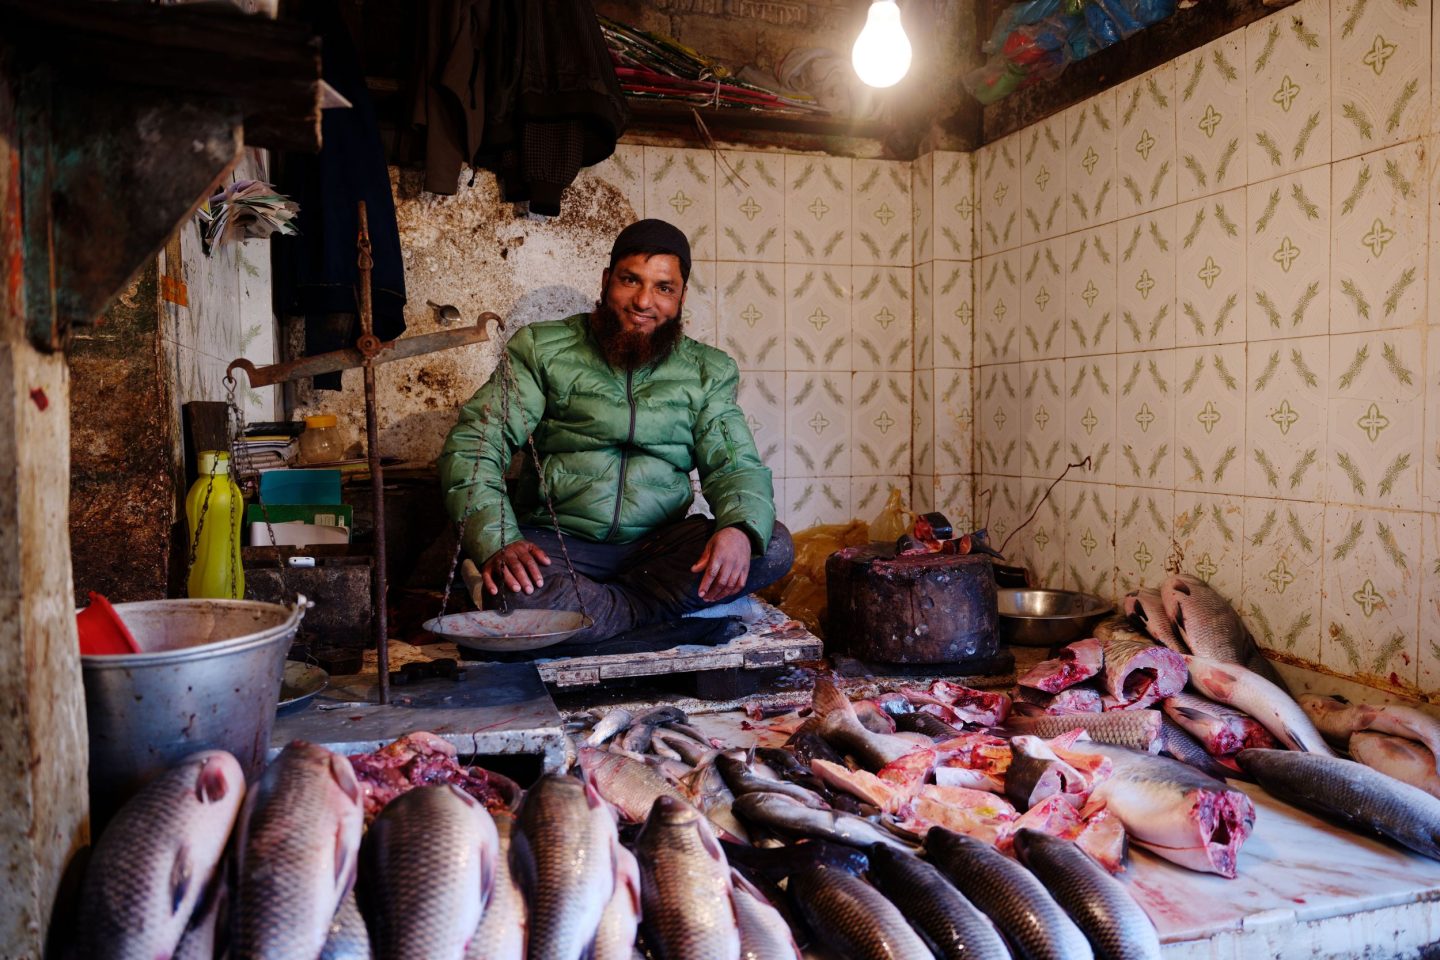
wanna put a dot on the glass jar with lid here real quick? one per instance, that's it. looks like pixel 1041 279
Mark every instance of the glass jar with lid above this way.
pixel 320 442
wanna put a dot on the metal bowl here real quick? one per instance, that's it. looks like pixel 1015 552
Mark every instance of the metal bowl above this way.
pixel 1048 618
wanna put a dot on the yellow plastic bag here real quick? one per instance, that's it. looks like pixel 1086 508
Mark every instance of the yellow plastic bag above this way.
pixel 801 592
pixel 894 520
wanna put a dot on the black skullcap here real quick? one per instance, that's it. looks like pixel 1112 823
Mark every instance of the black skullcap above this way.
pixel 653 236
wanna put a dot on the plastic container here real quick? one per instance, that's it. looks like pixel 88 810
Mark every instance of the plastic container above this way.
pixel 206 676
pixel 321 443
pixel 216 508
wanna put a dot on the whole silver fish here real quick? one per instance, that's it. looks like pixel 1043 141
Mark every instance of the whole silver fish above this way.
pixel 782 813
pixel 1405 760
pixel 1209 626
pixel 1351 794
pixel 1337 719
pixel 1250 693
pixel 563 854
pixel 642 730
pixel 429 866
pixel 689 750
pixel 203 938
pixel 1173 809
pixel 840 726
pixel 1021 907
pixel 615 722
pixel 1136 729
pixel 1147 608
pixel 685 884
pixel 742 779
pixel 1098 903
pixel 954 926
pixel 764 934
pixel 853 918
pixel 630 785
pixel 349 939
pixel 155 861
pixel 297 855
pixel 615 937
pixel 501 934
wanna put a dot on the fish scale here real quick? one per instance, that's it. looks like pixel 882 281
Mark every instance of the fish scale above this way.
pixel 764 934
pixel 349 939
pixel 429 867
pixel 1116 926
pixel 1034 924
pixel 854 918
pixel 685 884
pixel 298 854
pixel 956 929
pixel 501 934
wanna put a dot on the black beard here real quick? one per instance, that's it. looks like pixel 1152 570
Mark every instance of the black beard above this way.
pixel 630 350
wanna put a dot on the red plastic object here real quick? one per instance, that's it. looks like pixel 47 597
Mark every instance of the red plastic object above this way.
pixel 101 629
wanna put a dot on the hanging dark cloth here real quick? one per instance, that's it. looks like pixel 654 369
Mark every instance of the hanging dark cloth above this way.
pixel 316 272
pixel 523 88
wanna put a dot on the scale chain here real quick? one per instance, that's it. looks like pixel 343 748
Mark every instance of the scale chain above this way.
pixel 235 436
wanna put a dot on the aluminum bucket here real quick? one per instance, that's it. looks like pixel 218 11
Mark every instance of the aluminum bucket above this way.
pixel 207 676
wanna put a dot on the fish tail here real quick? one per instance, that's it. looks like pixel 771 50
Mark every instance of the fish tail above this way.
pixel 827 702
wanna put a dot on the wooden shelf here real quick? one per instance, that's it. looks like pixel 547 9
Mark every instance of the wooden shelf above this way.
pixel 837 135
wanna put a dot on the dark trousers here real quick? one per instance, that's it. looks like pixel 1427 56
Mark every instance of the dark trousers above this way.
pixel 629 585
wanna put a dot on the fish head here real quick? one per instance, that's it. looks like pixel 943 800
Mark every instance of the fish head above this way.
pixel 672 811
pixel 217 776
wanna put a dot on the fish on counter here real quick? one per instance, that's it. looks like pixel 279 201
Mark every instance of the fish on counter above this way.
pixel 423 758
pixel 501 934
pixel 742 779
pixel 981 707
pixel 788 816
pixel 840 726
pixel 764 933
pixel 1337 719
pixel 349 938
pixel 688 909
pixel 1146 608
pixel 955 928
pixel 298 854
pixel 975 813
pixel 1138 673
pixel 612 724
pixel 1036 774
pixel 1222 729
pixel 1075 663
pixel 1405 760
pixel 1177 743
pixel 1255 696
pixel 854 919
pixel 1013 898
pixel 158 859
pixel 1136 729
pixel 641 731
pixel 1210 627
pixel 620 920
pixel 1114 923
pixel 428 867
pixel 1351 794
pixel 627 784
pixel 1069 700
pixel 777 863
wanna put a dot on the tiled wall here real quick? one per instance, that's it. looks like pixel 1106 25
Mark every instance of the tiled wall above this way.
pixel 1212 280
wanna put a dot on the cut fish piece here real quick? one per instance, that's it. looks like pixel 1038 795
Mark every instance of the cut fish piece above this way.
pixel 1076 663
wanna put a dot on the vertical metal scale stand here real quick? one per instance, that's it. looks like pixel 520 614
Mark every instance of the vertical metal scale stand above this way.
pixel 369 351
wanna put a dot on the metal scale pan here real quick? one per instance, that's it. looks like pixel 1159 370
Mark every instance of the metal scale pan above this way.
pixel 491 631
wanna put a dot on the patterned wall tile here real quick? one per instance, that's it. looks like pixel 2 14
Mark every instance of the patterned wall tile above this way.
pixel 922 428
pixel 998 429
pixel 1375 434
pixel 955 497
pixel 624 171
pixel 1429 679
pixel 881 205
pixel 997 169
pixel 817 424
pixel 680 188
pixel 1090 129
pixel 1210 117
pixel 1282 557
pixel 1288 274
pixel 1042 297
pixel 1379 225
pixel 1043 190
pixel 1145 144
pixel 1288 110
pixel 1285 418
pixel 1209 531
pixel 1210 270
pixel 953 314
pixel 1090 537
pixel 1431 449
pixel 954 421
pixel 762 397
pixel 818 327
pixel 812 501
pixel 997 508
pixel 751 317
pixel 1144 520
pixel 817 209
pixel 880 424
pixel 955 206
pixel 1145 418
pixel 1380 70
pixel 750 206
pixel 922 493
pixel 1210 419
pixel 1042 543
pixel 1371 605
pixel 1042 418
pixel 924 348
pixel 997 328
pixel 702 302
pixel 868 494
pixel 882 319
pixel 922 207
pixel 1090 321
pixel 1145 281
pixel 1090 390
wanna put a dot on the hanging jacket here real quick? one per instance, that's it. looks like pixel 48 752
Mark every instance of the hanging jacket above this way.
pixel 617 447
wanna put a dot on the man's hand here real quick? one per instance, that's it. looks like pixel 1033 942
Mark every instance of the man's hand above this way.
pixel 519 563
pixel 726 562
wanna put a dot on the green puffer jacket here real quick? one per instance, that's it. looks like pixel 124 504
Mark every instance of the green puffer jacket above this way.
pixel 617 448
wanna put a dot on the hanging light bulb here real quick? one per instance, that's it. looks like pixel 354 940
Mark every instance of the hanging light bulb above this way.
pixel 882 51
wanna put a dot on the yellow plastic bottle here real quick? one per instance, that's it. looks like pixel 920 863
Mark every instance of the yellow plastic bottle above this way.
pixel 216 571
